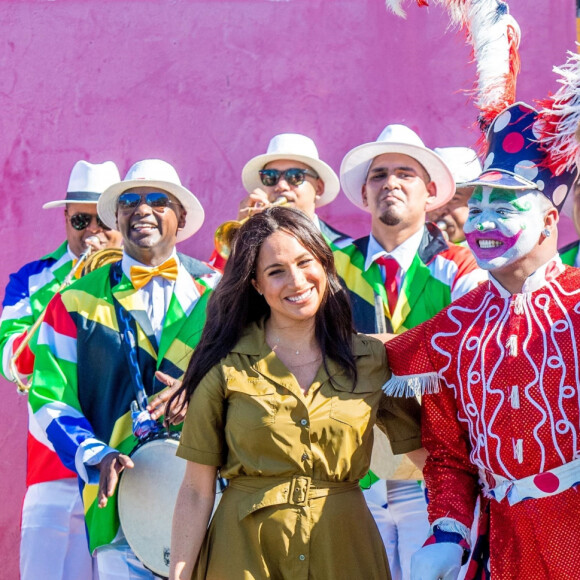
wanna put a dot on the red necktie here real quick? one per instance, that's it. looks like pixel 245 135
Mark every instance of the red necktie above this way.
pixel 391 267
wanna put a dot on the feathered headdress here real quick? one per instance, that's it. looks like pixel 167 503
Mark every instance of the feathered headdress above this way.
pixel 526 148
pixel 495 37
pixel 558 124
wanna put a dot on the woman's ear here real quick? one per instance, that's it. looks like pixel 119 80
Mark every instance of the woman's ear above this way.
pixel 255 285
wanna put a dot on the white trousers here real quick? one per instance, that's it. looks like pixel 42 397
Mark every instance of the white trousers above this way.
pixel 53 541
pixel 116 561
pixel 400 512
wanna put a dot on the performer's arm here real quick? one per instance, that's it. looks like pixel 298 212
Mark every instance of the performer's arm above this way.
pixel 54 397
pixel 450 476
pixel 190 519
pixel 110 468
pixel 451 481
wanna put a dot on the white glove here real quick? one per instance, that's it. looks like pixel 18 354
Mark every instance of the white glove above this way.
pixel 437 562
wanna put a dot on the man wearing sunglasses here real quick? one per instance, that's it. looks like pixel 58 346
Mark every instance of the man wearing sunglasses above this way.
pixel 105 338
pixel 400 275
pixel 290 172
pixel 53 539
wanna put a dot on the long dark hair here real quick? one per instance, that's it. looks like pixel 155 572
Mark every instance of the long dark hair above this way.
pixel 235 303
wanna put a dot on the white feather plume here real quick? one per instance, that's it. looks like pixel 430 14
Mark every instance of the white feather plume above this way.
pixel 559 118
pixel 495 37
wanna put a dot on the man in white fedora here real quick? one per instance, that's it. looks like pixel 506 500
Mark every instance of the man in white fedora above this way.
pixel 106 339
pixel 290 172
pixel 398 276
pixel 53 540
pixel 450 218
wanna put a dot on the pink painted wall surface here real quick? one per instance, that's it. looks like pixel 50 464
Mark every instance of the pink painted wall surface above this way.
pixel 205 85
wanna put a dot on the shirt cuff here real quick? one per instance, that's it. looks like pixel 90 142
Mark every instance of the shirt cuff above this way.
pixel 450 530
pixel 90 453
pixel 7 354
pixel 199 456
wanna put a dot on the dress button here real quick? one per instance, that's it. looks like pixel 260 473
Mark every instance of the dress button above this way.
pixel 303 422
pixel 304 456
pixel 302 557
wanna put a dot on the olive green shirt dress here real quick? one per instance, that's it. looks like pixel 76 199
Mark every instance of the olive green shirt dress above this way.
pixel 293 509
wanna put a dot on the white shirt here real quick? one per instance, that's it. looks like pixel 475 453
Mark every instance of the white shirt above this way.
pixel 404 254
pixel 156 294
pixel 71 254
pixel 316 221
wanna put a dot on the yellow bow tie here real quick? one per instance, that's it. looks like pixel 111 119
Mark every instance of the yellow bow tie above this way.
pixel 141 275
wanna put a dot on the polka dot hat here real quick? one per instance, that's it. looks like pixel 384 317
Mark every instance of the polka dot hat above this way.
pixel 514 158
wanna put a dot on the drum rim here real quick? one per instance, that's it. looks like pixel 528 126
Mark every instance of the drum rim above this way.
pixel 165 435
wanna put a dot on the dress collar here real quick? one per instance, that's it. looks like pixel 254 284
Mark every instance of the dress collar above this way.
pixel 253 341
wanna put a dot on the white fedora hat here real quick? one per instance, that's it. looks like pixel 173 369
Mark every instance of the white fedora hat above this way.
pixel 395 139
pixel 87 182
pixel 462 161
pixel 153 173
pixel 293 147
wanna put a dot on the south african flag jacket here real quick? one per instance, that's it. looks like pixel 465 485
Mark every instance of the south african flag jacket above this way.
pixel 82 385
pixel 28 292
pixel 26 296
pixel 440 273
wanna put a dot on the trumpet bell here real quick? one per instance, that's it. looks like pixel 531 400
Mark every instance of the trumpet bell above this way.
pixel 102 258
pixel 225 234
pixel 224 237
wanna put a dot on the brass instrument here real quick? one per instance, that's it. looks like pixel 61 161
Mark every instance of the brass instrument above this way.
pixel 224 235
pixel 89 262
pixel 102 258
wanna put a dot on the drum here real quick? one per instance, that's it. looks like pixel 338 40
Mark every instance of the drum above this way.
pixel 146 499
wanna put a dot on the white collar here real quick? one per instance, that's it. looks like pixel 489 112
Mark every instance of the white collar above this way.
pixel 542 276
pixel 316 221
pixel 72 255
pixel 404 253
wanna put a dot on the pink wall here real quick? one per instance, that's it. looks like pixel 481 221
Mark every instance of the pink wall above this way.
pixel 204 85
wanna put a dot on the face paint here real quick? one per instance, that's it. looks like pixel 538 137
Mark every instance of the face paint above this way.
pixel 503 225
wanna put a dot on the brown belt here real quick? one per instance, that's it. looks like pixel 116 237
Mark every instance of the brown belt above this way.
pixel 298 490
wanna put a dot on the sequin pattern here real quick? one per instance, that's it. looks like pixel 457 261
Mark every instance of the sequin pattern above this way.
pixel 508 405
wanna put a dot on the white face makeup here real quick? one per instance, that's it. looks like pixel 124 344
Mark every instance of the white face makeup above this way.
pixel 503 225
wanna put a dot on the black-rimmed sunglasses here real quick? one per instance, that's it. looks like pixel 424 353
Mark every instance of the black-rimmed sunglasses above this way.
pixel 293 176
pixel 81 221
pixel 156 200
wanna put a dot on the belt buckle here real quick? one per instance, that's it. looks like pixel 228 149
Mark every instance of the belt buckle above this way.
pixel 299 490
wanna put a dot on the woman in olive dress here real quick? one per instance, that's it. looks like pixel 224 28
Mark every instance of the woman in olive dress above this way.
pixel 283 396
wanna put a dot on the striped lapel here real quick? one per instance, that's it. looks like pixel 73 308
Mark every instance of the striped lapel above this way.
pixel 129 299
pixel 188 295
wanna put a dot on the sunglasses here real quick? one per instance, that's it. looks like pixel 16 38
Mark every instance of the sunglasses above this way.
pixel 81 221
pixel 292 176
pixel 156 200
